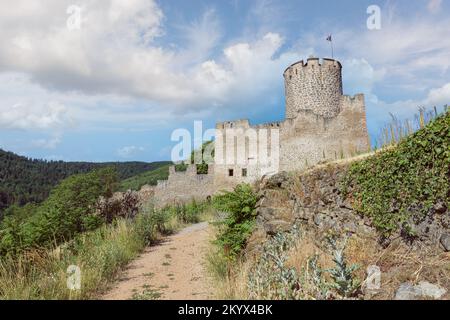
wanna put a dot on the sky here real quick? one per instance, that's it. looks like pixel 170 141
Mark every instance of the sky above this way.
pixel 110 80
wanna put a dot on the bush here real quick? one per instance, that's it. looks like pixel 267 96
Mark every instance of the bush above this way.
pixel 69 210
pixel 235 229
pixel 123 205
pixel 400 185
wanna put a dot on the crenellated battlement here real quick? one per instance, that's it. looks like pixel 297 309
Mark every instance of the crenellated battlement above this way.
pixel 311 63
pixel 184 186
pixel 242 123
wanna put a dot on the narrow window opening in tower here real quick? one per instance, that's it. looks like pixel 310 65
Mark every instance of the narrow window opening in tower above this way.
pixel 244 172
pixel 230 172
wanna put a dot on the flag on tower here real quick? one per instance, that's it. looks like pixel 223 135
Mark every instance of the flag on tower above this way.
pixel 330 39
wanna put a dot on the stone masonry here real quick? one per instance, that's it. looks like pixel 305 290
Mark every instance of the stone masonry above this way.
pixel 321 124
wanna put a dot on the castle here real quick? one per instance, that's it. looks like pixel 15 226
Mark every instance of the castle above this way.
pixel 320 124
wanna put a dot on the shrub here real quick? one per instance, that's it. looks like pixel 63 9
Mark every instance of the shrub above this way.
pixel 69 210
pixel 400 185
pixel 235 229
pixel 124 205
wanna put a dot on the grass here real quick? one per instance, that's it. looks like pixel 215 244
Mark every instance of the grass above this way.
pixel 397 130
pixel 147 294
pixel 229 277
pixel 100 255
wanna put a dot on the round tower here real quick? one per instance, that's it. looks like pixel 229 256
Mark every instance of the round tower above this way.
pixel 313 86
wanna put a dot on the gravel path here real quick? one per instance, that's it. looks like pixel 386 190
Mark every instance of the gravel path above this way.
pixel 172 270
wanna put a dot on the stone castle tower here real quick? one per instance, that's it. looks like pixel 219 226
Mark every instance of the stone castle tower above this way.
pixel 313 86
pixel 321 124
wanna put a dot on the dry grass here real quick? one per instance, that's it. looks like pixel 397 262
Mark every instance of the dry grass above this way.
pixel 305 248
pixel 230 278
pixel 398 262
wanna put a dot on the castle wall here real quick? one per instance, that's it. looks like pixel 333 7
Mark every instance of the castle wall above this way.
pixel 238 149
pixel 309 138
pixel 183 187
pixel 321 124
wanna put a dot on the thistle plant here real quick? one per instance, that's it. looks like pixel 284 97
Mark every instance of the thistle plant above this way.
pixel 344 281
pixel 271 278
pixel 315 274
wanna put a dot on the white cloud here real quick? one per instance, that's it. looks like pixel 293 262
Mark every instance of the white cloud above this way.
pixel 114 53
pixel 359 76
pixel 407 109
pixel 439 96
pixel 129 151
pixel 434 6
pixel 50 143
pixel 409 50
pixel 27 106
pixel 29 116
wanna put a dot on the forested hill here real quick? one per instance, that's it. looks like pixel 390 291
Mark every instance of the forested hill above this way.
pixel 24 180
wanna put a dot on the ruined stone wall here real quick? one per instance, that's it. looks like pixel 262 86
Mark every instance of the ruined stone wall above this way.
pixel 314 200
pixel 183 187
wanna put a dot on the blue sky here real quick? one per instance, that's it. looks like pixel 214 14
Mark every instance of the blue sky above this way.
pixel 116 87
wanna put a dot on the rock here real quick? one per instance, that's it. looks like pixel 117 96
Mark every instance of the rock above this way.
pixel 424 289
pixel 430 290
pixel 372 284
pixel 275 226
pixel 303 213
pixel 278 180
pixel 350 226
pixel 266 213
pixel 406 291
pixel 318 219
pixel 440 207
pixel 445 241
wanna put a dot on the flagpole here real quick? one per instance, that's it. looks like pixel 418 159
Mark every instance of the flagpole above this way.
pixel 332 49
pixel 330 38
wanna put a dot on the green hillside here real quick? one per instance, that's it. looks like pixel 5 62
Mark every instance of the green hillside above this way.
pixel 148 177
pixel 24 180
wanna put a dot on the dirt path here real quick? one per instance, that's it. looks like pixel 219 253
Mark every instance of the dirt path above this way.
pixel 174 269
